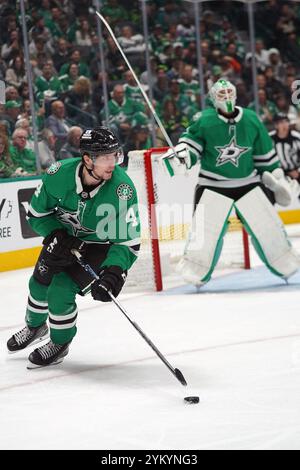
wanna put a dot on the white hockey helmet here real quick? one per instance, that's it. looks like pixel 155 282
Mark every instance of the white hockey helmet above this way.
pixel 223 95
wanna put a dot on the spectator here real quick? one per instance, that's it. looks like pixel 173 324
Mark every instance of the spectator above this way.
pixel 231 53
pixel 228 71
pixel 157 37
pixel 11 93
pixel 161 88
pixel 48 83
pixel 273 86
pixel 12 48
pixel 185 29
pixel 116 64
pixel 83 37
pixel 39 46
pixel 172 121
pixel 7 167
pixel 21 156
pixel 153 69
pixel 71 148
pixel 75 59
pixel 261 55
pixel 189 86
pixel 10 25
pixel 47 148
pixel 284 106
pixel 175 72
pixel 114 12
pixel 243 96
pixel 61 55
pixel 178 51
pixel 15 74
pixel 168 14
pixel 68 80
pixel 57 123
pixel 292 49
pixel 98 93
pixel 52 22
pixel 276 63
pixel 140 137
pixel 122 111
pixel 182 100
pixel 23 123
pixel 79 103
pixel 133 45
pixel 12 111
pixel 267 109
pixel 39 30
pixel 132 90
pixel 24 91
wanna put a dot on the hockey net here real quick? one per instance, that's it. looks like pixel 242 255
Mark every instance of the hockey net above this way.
pixel 166 206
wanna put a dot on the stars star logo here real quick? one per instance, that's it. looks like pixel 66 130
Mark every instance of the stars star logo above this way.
pixel 230 153
pixel 72 218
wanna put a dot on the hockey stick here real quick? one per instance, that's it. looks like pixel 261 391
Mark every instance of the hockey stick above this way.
pixel 176 372
pixel 156 117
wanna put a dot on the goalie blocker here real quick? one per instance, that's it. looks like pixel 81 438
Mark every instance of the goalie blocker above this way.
pixel 210 222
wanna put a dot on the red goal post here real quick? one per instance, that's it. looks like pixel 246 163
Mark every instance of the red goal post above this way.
pixel 166 211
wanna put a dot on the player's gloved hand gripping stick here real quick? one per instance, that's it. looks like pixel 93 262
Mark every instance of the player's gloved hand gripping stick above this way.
pixel 178 162
pixel 176 372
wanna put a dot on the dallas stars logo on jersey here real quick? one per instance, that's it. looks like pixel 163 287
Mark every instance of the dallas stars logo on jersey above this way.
pixel 230 153
pixel 73 219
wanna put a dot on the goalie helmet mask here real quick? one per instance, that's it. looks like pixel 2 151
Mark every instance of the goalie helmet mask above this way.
pixel 223 96
pixel 100 141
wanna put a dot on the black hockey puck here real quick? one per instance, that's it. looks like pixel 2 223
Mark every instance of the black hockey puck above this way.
pixel 191 400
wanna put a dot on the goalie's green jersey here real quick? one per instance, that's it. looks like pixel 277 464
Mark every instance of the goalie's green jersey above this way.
pixel 106 215
pixel 232 152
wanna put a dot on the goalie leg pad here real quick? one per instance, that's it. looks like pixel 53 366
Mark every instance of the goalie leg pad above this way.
pixel 268 234
pixel 205 240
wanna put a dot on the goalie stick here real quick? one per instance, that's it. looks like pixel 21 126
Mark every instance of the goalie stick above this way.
pixel 156 117
pixel 176 372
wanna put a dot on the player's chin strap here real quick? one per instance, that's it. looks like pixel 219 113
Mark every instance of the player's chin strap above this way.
pixel 91 171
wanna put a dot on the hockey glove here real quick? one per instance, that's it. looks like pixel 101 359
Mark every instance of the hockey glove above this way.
pixel 111 279
pixel 177 163
pixel 58 245
pixel 280 185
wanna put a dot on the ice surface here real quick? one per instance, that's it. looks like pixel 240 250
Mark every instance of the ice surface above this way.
pixel 237 342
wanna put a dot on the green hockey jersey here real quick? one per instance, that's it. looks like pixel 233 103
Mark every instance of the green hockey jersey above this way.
pixel 233 152
pixel 106 215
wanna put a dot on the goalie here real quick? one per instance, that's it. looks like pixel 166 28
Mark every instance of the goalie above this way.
pixel 239 169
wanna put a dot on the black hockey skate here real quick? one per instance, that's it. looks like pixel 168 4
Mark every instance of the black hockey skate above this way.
pixel 26 337
pixel 47 355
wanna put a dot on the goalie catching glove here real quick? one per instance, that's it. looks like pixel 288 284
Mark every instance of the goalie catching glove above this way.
pixel 177 163
pixel 58 246
pixel 111 279
pixel 281 186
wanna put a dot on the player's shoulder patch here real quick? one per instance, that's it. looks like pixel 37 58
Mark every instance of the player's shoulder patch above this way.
pixel 197 116
pixel 54 168
pixel 124 191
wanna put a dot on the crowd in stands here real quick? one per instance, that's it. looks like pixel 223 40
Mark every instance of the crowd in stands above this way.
pixel 68 79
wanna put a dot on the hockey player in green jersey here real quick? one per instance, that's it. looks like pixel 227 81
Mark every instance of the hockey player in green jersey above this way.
pixel 87 204
pixel 239 169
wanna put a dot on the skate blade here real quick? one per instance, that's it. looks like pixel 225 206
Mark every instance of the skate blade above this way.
pixel 38 340
pixel 31 366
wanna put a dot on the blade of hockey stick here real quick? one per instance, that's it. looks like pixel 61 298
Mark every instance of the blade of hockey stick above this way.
pixel 176 372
